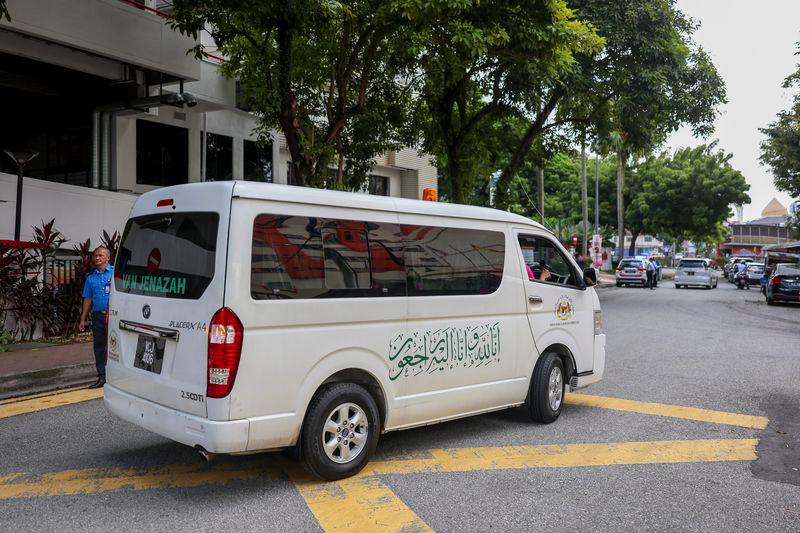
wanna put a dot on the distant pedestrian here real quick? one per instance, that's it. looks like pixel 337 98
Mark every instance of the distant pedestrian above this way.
pixel 651 273
pixel 657 270
pixel 95 298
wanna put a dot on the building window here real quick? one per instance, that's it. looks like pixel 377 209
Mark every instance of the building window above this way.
pixel 648 238
pixel 162 154
pixel 379 185
pixel 219 157
pixel 257 162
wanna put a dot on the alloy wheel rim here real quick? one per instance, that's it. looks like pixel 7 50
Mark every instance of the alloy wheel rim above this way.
pixel 345 432
pixel 555 392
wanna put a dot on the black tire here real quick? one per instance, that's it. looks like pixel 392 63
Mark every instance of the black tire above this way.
pixel 619 284
pixel 539 405
pixel 322 406
pixel 677 286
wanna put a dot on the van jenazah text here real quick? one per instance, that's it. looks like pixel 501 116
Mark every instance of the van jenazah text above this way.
pixel 165 284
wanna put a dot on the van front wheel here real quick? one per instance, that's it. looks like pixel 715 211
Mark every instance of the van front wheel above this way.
pixel 340 432
pixel 547 389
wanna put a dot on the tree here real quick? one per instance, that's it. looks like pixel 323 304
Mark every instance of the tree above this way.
pixel 333 77
pixel 648 79
pixel 686 195
pixel 781 149
pixel 479 66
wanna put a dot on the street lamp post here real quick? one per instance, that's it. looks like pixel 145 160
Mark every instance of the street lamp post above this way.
pixel 21 158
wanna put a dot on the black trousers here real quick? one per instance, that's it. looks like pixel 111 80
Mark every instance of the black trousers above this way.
pixel 650 278
pixel 99 338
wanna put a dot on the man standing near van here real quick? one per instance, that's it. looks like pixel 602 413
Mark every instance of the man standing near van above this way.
pixel 95 298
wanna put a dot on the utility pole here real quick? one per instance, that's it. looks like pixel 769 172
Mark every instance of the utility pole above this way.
pixel 620 202
pixel 584 198
pixel 541 192
pixel 596 194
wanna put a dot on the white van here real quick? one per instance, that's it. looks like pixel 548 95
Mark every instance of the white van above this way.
pixel 250 317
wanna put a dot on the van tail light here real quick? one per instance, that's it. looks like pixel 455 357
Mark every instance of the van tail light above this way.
pixel 225 334
pixel 776 280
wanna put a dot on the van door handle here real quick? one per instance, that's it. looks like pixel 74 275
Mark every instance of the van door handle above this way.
pixel 535 299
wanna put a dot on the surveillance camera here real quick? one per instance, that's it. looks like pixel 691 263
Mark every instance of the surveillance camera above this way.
pixel 188 100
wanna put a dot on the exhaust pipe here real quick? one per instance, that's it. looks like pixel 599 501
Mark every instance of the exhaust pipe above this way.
pixel 205 455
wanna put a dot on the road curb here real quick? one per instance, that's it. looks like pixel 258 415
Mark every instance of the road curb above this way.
pixel 50 379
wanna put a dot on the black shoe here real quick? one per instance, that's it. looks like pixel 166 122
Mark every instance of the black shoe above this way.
pixel 98 384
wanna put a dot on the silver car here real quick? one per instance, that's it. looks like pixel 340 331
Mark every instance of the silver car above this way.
pixel 695 272
pixel 754 273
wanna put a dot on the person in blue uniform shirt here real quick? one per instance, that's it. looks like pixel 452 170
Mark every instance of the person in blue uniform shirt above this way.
pixel 95 299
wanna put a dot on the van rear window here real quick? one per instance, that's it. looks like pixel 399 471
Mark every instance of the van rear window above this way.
pixel 167 255
pixel 691 264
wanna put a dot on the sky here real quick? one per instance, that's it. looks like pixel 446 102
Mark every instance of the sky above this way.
pixel 752 44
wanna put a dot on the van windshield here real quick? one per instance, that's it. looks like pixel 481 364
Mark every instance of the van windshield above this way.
pixel 167 255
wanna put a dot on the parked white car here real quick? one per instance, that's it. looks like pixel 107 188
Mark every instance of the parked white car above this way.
pixel 695 272
pixel 249 317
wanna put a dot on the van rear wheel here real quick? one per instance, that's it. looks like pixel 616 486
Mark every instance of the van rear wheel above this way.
pixel 340 432
pixel 547 389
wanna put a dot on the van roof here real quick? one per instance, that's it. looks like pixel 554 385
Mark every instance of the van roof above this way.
pixel 308 195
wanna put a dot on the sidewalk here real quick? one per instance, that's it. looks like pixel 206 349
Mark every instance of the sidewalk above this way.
pixel 41 368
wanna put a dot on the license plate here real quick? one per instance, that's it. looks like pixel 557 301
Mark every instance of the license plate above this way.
pixel 630 271
pixel 690 273
pixel 149 353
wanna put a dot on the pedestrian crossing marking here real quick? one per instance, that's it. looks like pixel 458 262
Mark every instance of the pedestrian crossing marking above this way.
pixel 672 411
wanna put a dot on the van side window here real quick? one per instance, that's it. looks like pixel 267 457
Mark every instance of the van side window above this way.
pixel 545 262
pixel 306 257
pixel 449 261
pixel 347 263
pixel 302 257
pixel 287 259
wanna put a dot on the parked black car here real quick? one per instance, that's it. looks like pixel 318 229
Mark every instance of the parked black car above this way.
pixel 784 284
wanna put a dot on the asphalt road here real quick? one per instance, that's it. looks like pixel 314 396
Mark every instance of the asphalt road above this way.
pixel 76 467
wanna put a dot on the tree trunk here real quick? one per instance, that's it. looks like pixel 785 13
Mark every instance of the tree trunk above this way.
pixel 634 235
pixel 455 175
pixel 620 202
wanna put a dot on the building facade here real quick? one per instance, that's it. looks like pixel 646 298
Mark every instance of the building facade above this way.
pixel 104 91
pixel 748 238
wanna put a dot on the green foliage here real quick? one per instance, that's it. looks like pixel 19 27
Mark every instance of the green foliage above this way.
pixel 5 339
pixel 484 67
pixel 686 195
pixel 333 77
pixel 781 149
pixel 648 79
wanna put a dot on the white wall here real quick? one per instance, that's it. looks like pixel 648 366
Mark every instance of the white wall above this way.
pixel 80 213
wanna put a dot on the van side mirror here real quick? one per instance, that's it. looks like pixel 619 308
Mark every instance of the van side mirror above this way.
pixel 590 276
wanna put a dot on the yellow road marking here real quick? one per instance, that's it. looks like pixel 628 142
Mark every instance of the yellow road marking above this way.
pixel 93 480
pixel 39 395
pixel 674 411
pixel 47 402
pixel 572 455
pixel 360 503
pixel 367 492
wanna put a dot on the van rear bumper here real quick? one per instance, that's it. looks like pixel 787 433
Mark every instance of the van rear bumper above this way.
pixel 218 437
